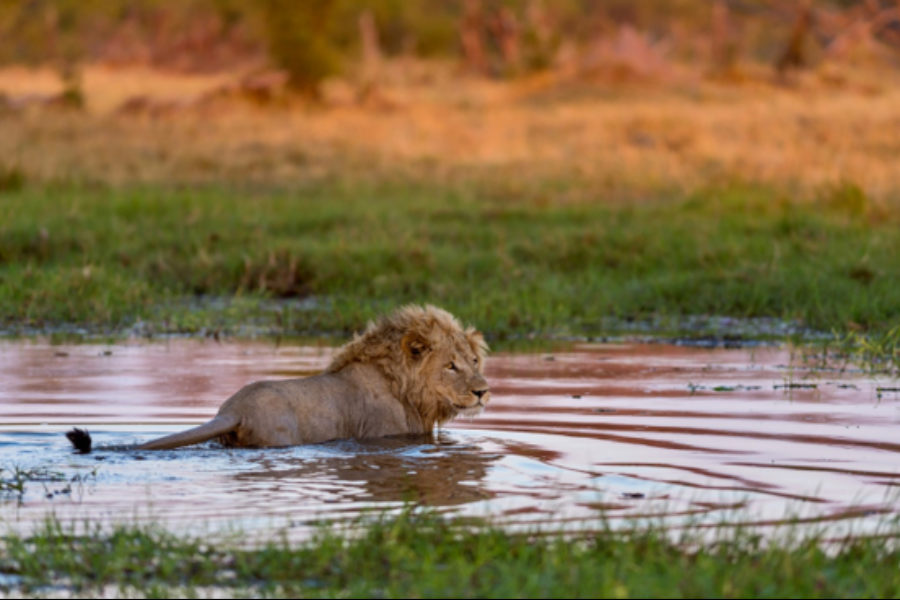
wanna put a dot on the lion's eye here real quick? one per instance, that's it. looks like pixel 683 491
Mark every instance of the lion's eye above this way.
pixel 451 367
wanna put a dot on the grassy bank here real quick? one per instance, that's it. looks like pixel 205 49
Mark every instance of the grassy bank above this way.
pixel 328 257
pixel 430 557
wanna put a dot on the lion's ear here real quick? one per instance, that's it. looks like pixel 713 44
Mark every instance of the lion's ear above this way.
pixel 415 346
pixel 476 341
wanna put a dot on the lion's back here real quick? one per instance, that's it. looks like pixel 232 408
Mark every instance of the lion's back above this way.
pixel 315 409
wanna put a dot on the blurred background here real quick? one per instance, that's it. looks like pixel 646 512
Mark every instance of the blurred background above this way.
pixel 636 95
pixel 455 82
pixel 310 41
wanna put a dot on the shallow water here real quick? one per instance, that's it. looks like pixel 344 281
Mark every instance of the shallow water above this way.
pixel 623 430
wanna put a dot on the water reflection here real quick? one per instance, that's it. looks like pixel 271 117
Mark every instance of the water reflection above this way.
pixel 444 473
pixel 629 430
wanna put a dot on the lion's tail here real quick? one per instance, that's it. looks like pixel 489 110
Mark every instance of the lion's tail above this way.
pixel 217 427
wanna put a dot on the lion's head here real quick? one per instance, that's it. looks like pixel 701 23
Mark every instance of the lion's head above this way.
pixel 433 363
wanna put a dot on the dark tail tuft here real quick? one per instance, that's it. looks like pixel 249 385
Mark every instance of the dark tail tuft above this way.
pixel 81 439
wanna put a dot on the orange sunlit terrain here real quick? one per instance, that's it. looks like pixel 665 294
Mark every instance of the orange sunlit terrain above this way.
pixel 631 99
pixel 142 125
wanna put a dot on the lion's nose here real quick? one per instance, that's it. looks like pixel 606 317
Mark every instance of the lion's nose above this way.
pixel 480 393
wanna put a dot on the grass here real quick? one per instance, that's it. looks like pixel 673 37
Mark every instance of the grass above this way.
pixel 14 483
pixel 427 556
pixel 426 121
pixel 327 257
pixel 532 207
pixel 879 353
pixel 14 480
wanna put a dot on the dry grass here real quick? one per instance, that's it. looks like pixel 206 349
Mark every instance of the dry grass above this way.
pixel 620 139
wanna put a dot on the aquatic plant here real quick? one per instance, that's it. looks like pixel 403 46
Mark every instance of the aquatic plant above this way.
pixel 876 352
pixel 14 479
pixel 13 483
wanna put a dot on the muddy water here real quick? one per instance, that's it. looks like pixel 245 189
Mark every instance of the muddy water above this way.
pixel 626 430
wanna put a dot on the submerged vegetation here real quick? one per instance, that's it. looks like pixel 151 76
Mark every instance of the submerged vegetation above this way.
pixel 427 556
pixel 327 257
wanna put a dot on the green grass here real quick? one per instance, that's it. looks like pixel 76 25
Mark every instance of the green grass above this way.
pixel 878 352
pixel 513 264
pixel 426 556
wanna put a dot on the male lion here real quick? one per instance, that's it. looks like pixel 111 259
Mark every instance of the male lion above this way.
pixel 407 373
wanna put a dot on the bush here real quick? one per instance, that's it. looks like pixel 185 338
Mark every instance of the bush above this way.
pixel 12 179
pixel 299 41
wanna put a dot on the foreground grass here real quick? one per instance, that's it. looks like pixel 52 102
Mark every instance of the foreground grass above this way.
pixel 513 263
pixel 425 556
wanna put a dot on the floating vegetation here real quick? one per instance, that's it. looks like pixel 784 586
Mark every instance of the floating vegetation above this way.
pixel 797 386
pixel 693 388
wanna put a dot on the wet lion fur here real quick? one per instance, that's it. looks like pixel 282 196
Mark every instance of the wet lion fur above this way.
pixel 409 372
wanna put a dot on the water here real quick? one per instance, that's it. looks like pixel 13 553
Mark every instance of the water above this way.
pixel 627 431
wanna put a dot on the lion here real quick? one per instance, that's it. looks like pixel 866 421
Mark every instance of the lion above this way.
pixel 408 373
